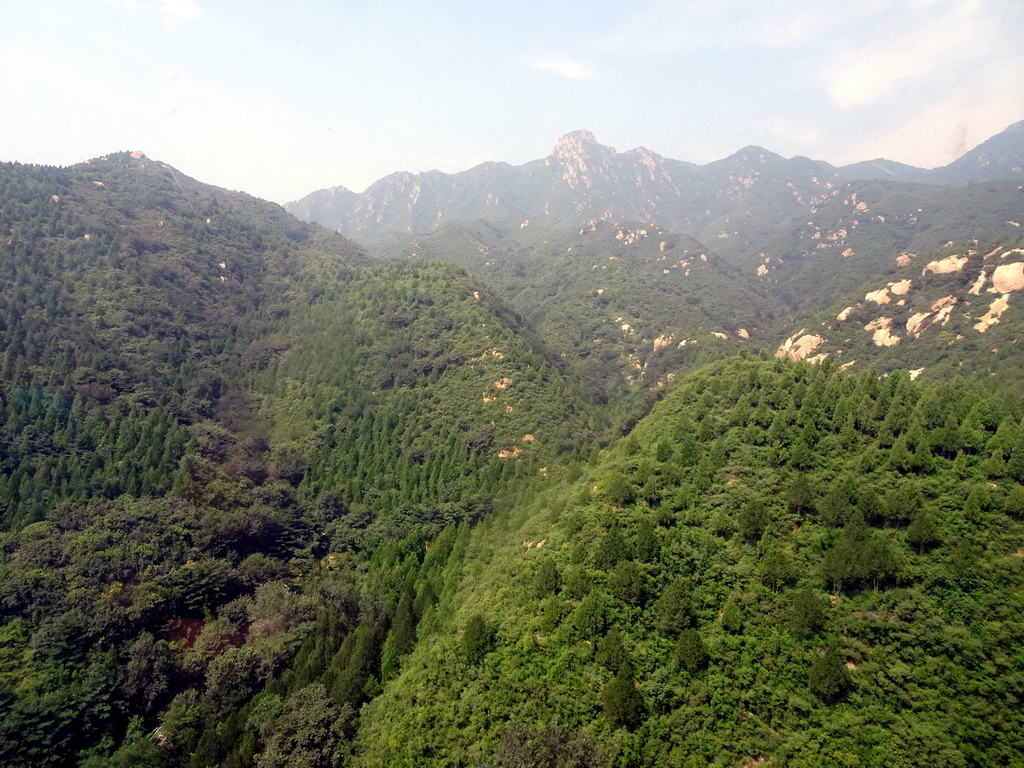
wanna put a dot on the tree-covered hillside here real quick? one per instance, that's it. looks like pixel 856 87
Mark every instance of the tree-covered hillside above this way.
pixel 210 408
pixel 625 304
pixel 781 565
pixel 953 311
pixel 512 497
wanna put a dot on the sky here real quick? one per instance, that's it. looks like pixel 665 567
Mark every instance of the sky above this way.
pixel 279 98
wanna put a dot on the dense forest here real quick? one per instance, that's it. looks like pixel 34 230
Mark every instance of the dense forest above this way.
pixel 268 500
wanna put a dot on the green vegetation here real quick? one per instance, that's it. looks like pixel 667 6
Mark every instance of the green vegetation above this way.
pixel 265 501
pixel 808 597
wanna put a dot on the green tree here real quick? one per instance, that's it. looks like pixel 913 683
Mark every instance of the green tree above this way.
pixel 732 617
pixel 800 497
pixel 1015 465
pixel 829 679
pixel 611 652
pixel 477 639
pixel 589 617
pixel 675 608
pixel 753 520
pixel 545 582
pixel 776 567
pixel 691 653
pixel 622 702
pixel 308 732
pixel 626 583
pixel 807 616
pixel 922 530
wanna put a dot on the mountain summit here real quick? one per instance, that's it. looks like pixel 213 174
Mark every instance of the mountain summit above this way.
pixel 582 180
pixel 574 144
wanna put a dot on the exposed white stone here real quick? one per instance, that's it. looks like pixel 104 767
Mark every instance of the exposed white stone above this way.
pixel 1008 278
pixel 991 317
pixel 952 263
pixel 800 345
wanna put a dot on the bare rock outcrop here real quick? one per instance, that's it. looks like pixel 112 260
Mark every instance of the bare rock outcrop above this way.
pixel 944 266
pixel 800 345
pixel 881 335
pixel 1008 278
pixel 940 313
pixel 995 312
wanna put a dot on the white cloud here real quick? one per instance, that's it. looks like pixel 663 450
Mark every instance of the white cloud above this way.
pixel 942 131
pixel 171 12
pixel 131 6
pixel 793 134
pixel 569 68
pixel 913 54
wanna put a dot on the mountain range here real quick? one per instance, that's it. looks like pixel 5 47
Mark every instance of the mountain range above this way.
pixel 581 180
pixel 603 460
pixel 780 239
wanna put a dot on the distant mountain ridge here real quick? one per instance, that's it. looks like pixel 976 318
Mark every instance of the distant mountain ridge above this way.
pixel 582 179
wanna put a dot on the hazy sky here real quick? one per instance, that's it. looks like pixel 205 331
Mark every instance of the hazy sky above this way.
pixel 282 98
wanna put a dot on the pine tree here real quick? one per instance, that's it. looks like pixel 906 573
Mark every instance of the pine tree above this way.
pixel 1015 466
pixel 545 582
pixel 808 613
pixel 477 639
pixel 675 610
pixel 691 653
pixel 622 702
pixel 829 678
pixel 922 530
pixel 611 652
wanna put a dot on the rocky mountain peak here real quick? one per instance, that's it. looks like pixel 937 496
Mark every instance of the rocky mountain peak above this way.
pixel 573 144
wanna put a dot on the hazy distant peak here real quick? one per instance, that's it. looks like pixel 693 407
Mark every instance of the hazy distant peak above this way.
pixel 574 144
pixel 755 153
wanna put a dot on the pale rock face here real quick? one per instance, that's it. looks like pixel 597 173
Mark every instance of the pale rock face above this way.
pixel 719 334
pixel 917 323
pixel 762 270
pixel 903 260
pixel 940 314
pixel 882 335
pixel 663 341
pixel 978 284
pixel 881 296
pixel 843 316
pixel 915 373
pixel 991 317
pixel 742 333
pixel 1008 278
pixel 902 288
pixel 883 338
pixel 944 266
pixel 800 345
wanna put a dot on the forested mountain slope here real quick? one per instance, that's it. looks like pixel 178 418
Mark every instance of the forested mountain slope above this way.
pixel 205 398
pixel 955 310
pixel 626 304
pixel 132 300
pixel 268 501
pixel 782 564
